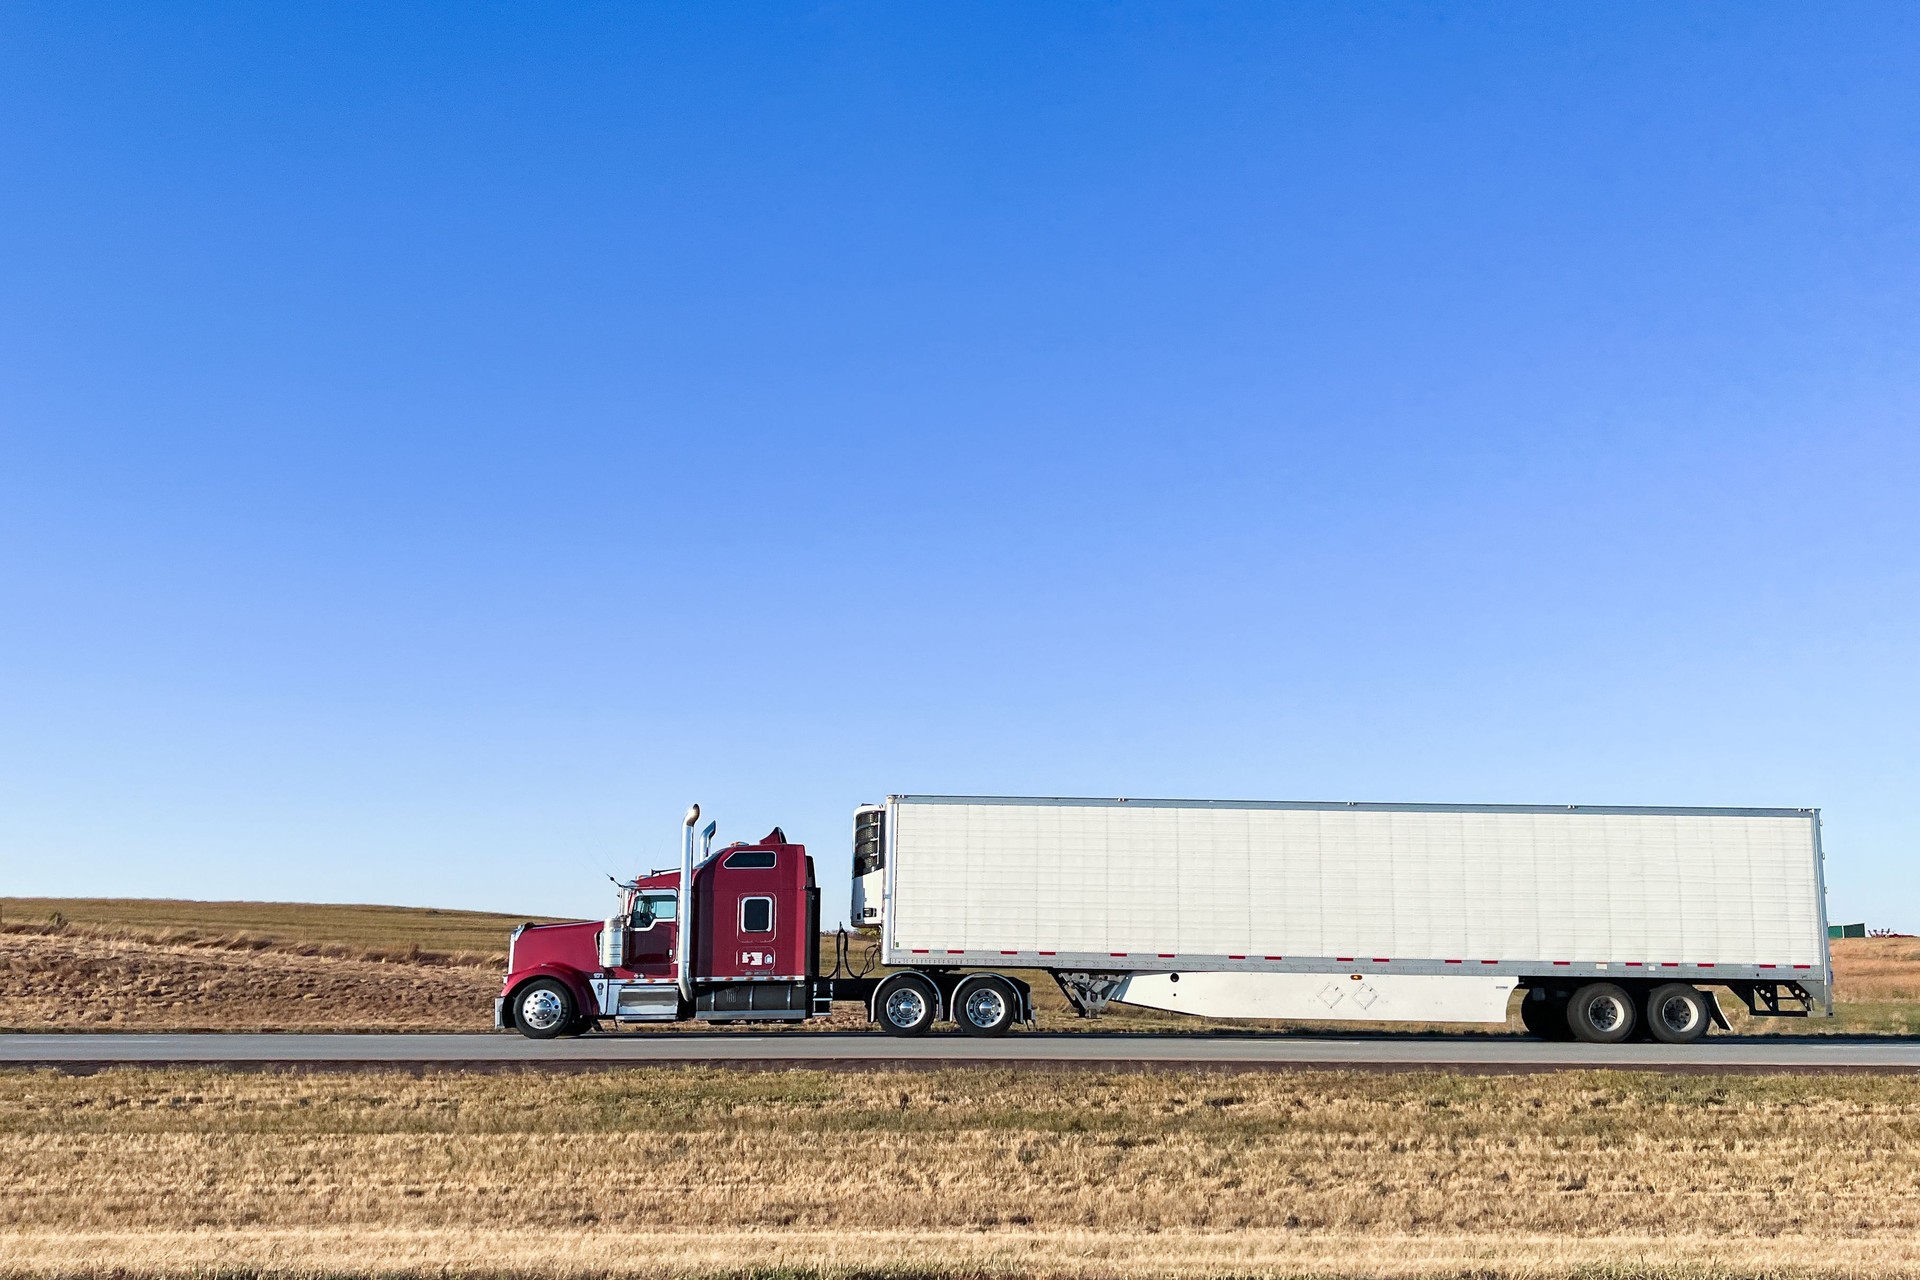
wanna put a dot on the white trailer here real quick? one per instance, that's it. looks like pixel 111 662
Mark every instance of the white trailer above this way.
pixel 1610 921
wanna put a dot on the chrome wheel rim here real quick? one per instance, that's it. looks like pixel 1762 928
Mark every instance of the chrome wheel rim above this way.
pixel 986 1007
pixel 1679 1014
pixel 543 1009
pixel 905 1007
pixel 1607 1013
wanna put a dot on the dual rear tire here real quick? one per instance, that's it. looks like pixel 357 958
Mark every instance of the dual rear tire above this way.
pixel 984 1004
pixel 1678 1013
pixel 1606 1013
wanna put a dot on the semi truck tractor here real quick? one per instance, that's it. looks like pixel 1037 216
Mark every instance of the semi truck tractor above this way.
pixel 1604 923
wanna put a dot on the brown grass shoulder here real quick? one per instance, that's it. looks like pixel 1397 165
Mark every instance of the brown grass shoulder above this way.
pixel 698 1171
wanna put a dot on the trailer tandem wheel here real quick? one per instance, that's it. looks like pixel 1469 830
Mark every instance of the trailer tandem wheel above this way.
pixel 1677 1013
pixel 1544 1015
pixel 1601 1013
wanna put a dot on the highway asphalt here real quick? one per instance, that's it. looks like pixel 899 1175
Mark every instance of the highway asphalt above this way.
pixel 1387 1052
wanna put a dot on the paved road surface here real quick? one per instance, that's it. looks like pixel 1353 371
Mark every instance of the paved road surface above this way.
pixel 1482 1053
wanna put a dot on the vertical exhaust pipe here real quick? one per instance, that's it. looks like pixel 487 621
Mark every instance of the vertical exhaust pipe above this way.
pixel 683 935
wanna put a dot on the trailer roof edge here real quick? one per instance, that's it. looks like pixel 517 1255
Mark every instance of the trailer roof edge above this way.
pixel 1361 805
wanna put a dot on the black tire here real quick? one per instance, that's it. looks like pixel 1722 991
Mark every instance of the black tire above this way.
pixel 1677 1013
pixel 906 1004
pixel 986 1006
pixel 544 1009
pixel 1545 1017
pixel 1601 1013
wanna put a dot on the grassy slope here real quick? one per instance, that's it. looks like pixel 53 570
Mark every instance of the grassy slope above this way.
pixel 981 1172
pixel 339 924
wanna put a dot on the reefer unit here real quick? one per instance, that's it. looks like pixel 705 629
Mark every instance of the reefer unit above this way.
pixel 1347 910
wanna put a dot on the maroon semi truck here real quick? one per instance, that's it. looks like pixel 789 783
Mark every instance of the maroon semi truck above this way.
pixel 751 955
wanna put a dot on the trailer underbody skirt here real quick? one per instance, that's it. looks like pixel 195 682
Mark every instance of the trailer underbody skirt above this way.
pixel 1334 997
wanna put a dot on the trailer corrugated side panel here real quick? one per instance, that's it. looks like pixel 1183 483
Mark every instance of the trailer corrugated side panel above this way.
pixel 1152 879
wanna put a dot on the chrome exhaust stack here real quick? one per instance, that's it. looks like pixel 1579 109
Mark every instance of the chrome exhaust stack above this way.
pixel 683 934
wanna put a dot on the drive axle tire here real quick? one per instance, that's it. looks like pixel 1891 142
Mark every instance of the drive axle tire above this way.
pixel 906 1005
pixel 1601 1013
pixel 543 1009
pixel 1677 1013
pixel 985 1006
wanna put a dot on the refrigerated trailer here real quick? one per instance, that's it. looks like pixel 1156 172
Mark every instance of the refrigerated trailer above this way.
pixel 1606 922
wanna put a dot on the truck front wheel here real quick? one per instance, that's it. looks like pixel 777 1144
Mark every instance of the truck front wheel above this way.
pixel 543 1009
pixel 985 1006
pixel 905 1005
pixel 1601 1013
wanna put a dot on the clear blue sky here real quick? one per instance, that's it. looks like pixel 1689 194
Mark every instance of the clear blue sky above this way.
pixel 439 442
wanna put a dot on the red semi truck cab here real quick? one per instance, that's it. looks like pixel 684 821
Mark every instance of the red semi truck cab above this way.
pixel 733 935
pixel 752 956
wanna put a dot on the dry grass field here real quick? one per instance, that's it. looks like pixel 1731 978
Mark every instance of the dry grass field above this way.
pixel 129 964
pixel 368 931
pixel 968 1173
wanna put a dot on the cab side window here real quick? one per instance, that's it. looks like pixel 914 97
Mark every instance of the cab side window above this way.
pixel 756 915
pixel 652 908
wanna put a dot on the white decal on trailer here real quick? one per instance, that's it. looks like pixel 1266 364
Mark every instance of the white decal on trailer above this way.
pixel 1334 997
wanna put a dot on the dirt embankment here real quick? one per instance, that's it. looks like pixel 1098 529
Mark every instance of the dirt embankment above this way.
pixel 72 979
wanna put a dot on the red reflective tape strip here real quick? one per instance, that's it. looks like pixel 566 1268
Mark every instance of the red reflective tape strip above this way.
pixel 1803 966
pixel 1343 959
pixel 1116 953
pixel 920 951
pixel 1769 966
pixel 1273 957
pixel 1166 955
pixel 1669 964
pixel 1236 957
pixel 1453 962
pixel 1009 953
pixel 1049 953
pixel 1633 964
pixel 1382 960
pixel 1704 964
pixel 1563 962
pixel 955 951
pixel 1489 962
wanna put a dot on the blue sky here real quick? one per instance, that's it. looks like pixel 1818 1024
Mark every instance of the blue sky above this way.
pixel 439 442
